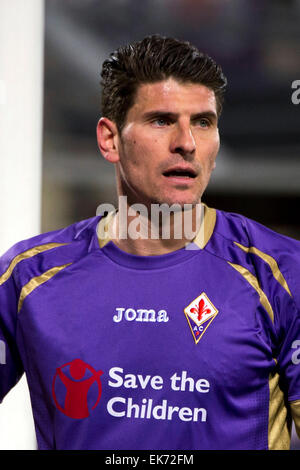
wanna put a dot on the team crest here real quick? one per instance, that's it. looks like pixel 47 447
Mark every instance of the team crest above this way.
pixel 199 314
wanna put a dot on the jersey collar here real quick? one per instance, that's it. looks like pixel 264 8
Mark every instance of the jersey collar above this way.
pixel 203 236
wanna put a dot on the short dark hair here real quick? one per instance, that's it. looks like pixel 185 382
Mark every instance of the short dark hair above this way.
pixel 153 59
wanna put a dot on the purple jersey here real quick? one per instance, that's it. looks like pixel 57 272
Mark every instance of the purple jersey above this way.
pixel 195 349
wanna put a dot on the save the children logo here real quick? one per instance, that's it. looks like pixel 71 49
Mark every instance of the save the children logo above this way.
pixel 199 314
pixel 71 385
pixel 73 395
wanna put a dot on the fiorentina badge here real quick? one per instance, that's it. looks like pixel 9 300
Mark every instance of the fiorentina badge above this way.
pixel 199 314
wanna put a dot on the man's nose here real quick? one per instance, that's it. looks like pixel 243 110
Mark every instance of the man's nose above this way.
pixel 183 141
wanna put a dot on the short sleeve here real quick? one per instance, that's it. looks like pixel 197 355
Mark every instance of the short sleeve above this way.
pixel 293 340
pixel 288 327
pixel 11 368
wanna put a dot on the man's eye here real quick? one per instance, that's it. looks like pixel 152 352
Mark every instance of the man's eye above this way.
pixel 204 122
pixel 160 122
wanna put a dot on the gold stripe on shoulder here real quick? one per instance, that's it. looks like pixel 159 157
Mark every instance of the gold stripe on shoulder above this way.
pixel 252 280
pixel 207 226
pixel 27 254
pixel 37 281
pixel 270 261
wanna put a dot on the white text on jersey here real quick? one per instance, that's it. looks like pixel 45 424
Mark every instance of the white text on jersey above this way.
pixel 141 315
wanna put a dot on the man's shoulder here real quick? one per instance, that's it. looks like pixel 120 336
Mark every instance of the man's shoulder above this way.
pixel 77 234
pixel 241 229
pixel 261 244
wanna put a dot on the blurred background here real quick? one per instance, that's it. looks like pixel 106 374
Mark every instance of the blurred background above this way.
pixel 257 42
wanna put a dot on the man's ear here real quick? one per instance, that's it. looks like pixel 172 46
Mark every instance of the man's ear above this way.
pixel 107 138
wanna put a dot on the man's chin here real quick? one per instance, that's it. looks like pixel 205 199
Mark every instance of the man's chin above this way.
pixel 180 203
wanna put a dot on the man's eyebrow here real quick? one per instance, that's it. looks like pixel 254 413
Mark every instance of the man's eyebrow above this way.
pixel 167 114
pixel 208 114
pixel 159 113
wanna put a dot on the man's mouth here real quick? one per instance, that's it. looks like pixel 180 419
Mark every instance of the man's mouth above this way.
pixel 180 173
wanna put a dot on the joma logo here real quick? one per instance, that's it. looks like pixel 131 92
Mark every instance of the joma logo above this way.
pixel 141 314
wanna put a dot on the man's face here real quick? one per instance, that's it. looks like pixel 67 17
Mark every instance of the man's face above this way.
pixel 169 143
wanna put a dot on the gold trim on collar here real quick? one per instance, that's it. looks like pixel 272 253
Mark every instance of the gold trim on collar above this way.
pixel 208 222
pixel 37 281
pixel 270 261
pixel 27 254
pixel 207 227
pixel 103 229
pixel 252 280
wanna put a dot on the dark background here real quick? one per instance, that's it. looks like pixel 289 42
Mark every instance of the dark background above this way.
pixel 257 42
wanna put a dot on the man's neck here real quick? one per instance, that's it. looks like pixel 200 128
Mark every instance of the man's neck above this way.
pixel 153 234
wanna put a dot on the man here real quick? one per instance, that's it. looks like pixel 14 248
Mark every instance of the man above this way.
pixel 170 342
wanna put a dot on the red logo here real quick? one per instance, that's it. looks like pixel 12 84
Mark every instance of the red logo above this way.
pixel 71 375
pixel 199 314
pixel 200 310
